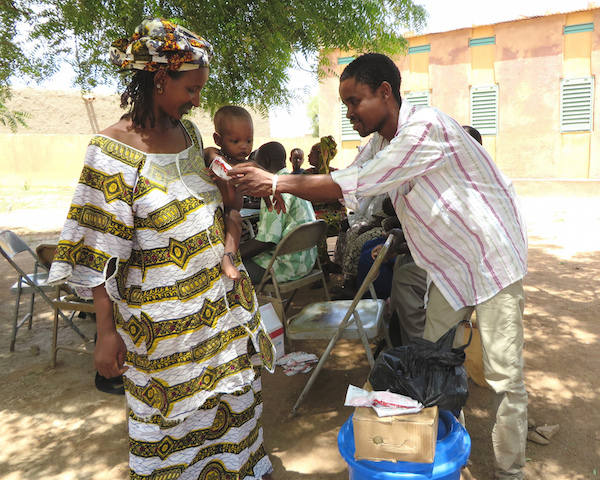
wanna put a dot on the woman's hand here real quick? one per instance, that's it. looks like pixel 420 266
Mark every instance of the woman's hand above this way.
pixel 110 354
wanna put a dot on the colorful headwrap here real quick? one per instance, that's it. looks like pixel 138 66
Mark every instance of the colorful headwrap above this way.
pixel 327 150
pixel 160 44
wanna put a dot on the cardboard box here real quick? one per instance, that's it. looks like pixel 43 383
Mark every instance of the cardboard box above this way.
pixel 404 438
pixel 274 328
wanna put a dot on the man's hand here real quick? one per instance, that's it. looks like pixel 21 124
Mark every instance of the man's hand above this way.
pixel 399 245
pixel 252 180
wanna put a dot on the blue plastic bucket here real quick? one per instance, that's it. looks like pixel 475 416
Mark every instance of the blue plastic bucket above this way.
pixel 451 453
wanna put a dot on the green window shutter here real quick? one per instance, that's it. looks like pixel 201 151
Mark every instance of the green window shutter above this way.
pixel 581 27
pixel 345 60
pixel 576 104
pixel 484 109
pixel 418 98
pixel 419 49
pixel 478 42
pixel 348 133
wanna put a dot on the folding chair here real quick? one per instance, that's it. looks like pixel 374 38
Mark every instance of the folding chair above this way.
pixel 65 300
pixel 33 283
pixel 303 237
pixel 351 319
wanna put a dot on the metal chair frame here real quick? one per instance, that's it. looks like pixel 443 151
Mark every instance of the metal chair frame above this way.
pixel 34 283
pixel 351 318
pixel 302 237
pixel 65 300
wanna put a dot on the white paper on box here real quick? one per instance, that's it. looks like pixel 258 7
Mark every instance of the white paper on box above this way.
pixel 274 328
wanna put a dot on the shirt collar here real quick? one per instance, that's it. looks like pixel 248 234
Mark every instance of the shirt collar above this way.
pixel 406 110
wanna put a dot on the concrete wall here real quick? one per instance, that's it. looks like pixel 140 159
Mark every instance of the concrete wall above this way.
pixel 57 160
pixel 50 151
pixel 527 62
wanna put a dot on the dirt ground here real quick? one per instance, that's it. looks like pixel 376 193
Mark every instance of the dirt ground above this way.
pixel 56 425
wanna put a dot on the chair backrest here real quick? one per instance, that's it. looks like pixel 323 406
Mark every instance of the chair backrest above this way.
pixel 302 237
pixel 45 253
pixel 11 244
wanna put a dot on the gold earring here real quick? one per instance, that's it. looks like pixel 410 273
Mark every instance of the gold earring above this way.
pixel 159 87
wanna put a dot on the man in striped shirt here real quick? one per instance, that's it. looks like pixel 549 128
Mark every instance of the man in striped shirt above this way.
pixel 461 218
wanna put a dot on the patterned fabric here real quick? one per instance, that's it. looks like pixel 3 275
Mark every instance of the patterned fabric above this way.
pixel 272 227
pixel 221 440
pixel 327 150
pixel 159 43
pixel 355 240
pixel 459 212
pixel 158 220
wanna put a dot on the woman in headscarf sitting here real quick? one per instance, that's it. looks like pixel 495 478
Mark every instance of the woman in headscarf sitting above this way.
pixel 145 238
pixel 333 213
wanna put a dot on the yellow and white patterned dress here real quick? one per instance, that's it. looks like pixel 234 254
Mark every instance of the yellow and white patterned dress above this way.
pixel 192 389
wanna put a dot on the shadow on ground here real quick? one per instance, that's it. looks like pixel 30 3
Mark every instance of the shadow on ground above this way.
pixel 56 425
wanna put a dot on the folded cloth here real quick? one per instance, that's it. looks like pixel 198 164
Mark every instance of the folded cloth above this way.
pixel 297 362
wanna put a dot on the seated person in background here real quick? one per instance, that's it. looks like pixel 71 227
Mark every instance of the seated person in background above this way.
pixel 368 254
pixel 297 159
pixel 272 227
pixel 332 212
pixel 350 242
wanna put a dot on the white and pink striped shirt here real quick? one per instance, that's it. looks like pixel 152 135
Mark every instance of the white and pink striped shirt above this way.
pixel 460 214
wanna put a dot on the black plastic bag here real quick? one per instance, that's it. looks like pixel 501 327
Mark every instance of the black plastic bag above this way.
pixel 432 373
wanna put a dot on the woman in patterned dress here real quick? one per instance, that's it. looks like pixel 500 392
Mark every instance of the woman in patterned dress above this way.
pixel 145 237
pixel 332 212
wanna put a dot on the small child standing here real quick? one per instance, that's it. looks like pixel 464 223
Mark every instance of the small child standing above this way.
pixel 234 135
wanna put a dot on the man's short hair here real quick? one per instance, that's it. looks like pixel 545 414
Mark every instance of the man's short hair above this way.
pixel 373 69
pixel 474 133
pixel 229 112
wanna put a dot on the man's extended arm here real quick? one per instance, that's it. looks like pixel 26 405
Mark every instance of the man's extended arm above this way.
pixel 259 183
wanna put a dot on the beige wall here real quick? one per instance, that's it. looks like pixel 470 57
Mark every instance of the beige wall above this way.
pixel 57 160
pixel 51 150
pixel 527 62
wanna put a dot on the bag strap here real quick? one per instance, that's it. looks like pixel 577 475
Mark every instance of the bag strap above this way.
pixel 463 348
pixel 446 341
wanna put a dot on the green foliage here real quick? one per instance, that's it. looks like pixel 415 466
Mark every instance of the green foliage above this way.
pixel 13 119
pixel 256 41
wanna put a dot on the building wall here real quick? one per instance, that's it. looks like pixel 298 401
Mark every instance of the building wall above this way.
pixel 527 62
pixel 57 160
pixel 50 151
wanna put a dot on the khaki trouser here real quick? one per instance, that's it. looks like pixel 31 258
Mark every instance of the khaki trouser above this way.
pixel 500 324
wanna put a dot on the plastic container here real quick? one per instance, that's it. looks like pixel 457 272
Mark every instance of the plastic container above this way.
pixel 451 453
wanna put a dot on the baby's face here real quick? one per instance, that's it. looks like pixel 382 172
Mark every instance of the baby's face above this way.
pixel 236 139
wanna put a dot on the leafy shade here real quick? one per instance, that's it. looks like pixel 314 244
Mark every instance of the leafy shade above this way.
pixel 11 118
pixel 256 41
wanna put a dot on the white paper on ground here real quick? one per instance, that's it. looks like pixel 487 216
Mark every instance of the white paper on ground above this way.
pixel 297 362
